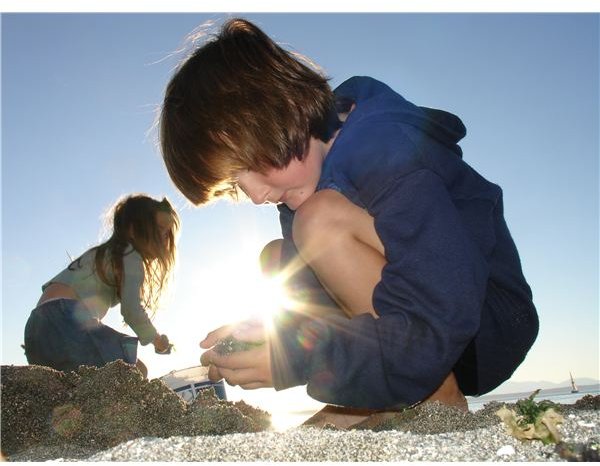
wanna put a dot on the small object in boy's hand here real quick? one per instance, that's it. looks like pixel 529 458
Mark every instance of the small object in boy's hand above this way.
pixel 230 345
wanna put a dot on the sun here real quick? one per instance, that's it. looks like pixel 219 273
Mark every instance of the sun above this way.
pixel 231 290
pixel 271 296
pixel 250 294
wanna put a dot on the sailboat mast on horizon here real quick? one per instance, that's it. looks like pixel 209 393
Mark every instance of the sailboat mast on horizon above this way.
pixel 574 388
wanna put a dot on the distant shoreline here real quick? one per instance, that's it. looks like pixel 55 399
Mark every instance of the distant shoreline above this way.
pixel 544 392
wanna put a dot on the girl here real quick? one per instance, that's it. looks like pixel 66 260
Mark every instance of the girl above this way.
pixel 132 268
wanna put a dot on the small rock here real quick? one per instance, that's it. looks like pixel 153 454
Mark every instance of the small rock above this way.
pixel 506 450
pixel 577 451
pixel 588 402
pixel 586 424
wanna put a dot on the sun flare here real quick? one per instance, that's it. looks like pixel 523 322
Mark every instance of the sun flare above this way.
pixel 272 296
pixel 256 297
pixel 224 289
pixel 236 290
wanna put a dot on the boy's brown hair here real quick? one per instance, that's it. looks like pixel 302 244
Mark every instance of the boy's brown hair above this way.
pixel 240 102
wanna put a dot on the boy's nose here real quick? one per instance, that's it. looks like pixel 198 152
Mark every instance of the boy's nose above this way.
pixel 259 196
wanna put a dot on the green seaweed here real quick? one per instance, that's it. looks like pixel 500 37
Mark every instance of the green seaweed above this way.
pixel 532 420
pixel 531 410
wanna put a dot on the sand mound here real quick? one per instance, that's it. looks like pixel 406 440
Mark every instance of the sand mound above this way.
pixel 100 408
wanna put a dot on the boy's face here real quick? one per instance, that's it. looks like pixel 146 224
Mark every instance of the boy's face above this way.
pixel 291 185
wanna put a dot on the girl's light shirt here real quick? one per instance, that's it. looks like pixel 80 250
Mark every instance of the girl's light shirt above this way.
pixel 99 297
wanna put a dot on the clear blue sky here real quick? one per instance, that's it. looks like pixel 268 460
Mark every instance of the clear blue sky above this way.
pixel 79 93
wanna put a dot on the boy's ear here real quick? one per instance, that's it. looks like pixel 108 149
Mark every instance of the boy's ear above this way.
pixel 343 115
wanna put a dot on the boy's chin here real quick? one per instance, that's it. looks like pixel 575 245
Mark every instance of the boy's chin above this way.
pixel 292 205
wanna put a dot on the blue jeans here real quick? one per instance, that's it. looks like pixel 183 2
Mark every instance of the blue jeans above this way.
pixel 63 334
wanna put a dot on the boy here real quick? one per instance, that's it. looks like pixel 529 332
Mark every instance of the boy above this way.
pixel 408 241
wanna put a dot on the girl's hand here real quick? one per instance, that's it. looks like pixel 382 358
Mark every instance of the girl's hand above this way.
pixel 249 369
pixel 162 345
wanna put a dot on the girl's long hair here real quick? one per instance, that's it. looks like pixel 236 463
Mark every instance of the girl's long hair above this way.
pixel 134 222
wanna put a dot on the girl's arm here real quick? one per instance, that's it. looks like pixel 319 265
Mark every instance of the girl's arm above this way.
pixel 132 311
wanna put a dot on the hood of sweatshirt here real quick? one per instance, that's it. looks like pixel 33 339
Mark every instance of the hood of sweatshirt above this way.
pixel 369 93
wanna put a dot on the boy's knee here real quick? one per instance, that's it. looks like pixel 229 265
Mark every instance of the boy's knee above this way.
pixel 322 214
pixel 270 257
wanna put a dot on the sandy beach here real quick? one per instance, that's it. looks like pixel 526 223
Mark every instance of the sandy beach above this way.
pixel 312 444
pixel 113 414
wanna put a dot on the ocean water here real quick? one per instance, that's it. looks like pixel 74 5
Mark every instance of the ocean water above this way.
pixel 560 395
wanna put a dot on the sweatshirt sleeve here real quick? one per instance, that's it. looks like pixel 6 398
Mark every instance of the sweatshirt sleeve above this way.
pixel 132 310
pixel 429 301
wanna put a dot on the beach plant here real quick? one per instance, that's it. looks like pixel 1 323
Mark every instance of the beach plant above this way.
pixel 532 420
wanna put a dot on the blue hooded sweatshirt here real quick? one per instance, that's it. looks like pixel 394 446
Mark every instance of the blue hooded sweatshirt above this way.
pixel 452 296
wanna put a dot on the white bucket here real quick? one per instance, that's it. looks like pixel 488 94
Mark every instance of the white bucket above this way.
pixel 187 383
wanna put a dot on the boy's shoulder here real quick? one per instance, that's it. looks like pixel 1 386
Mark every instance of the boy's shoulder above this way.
pixel 371 138
pixel 383 139
pixel 383 119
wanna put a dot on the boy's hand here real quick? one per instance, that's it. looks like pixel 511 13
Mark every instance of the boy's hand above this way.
pixel 249 369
